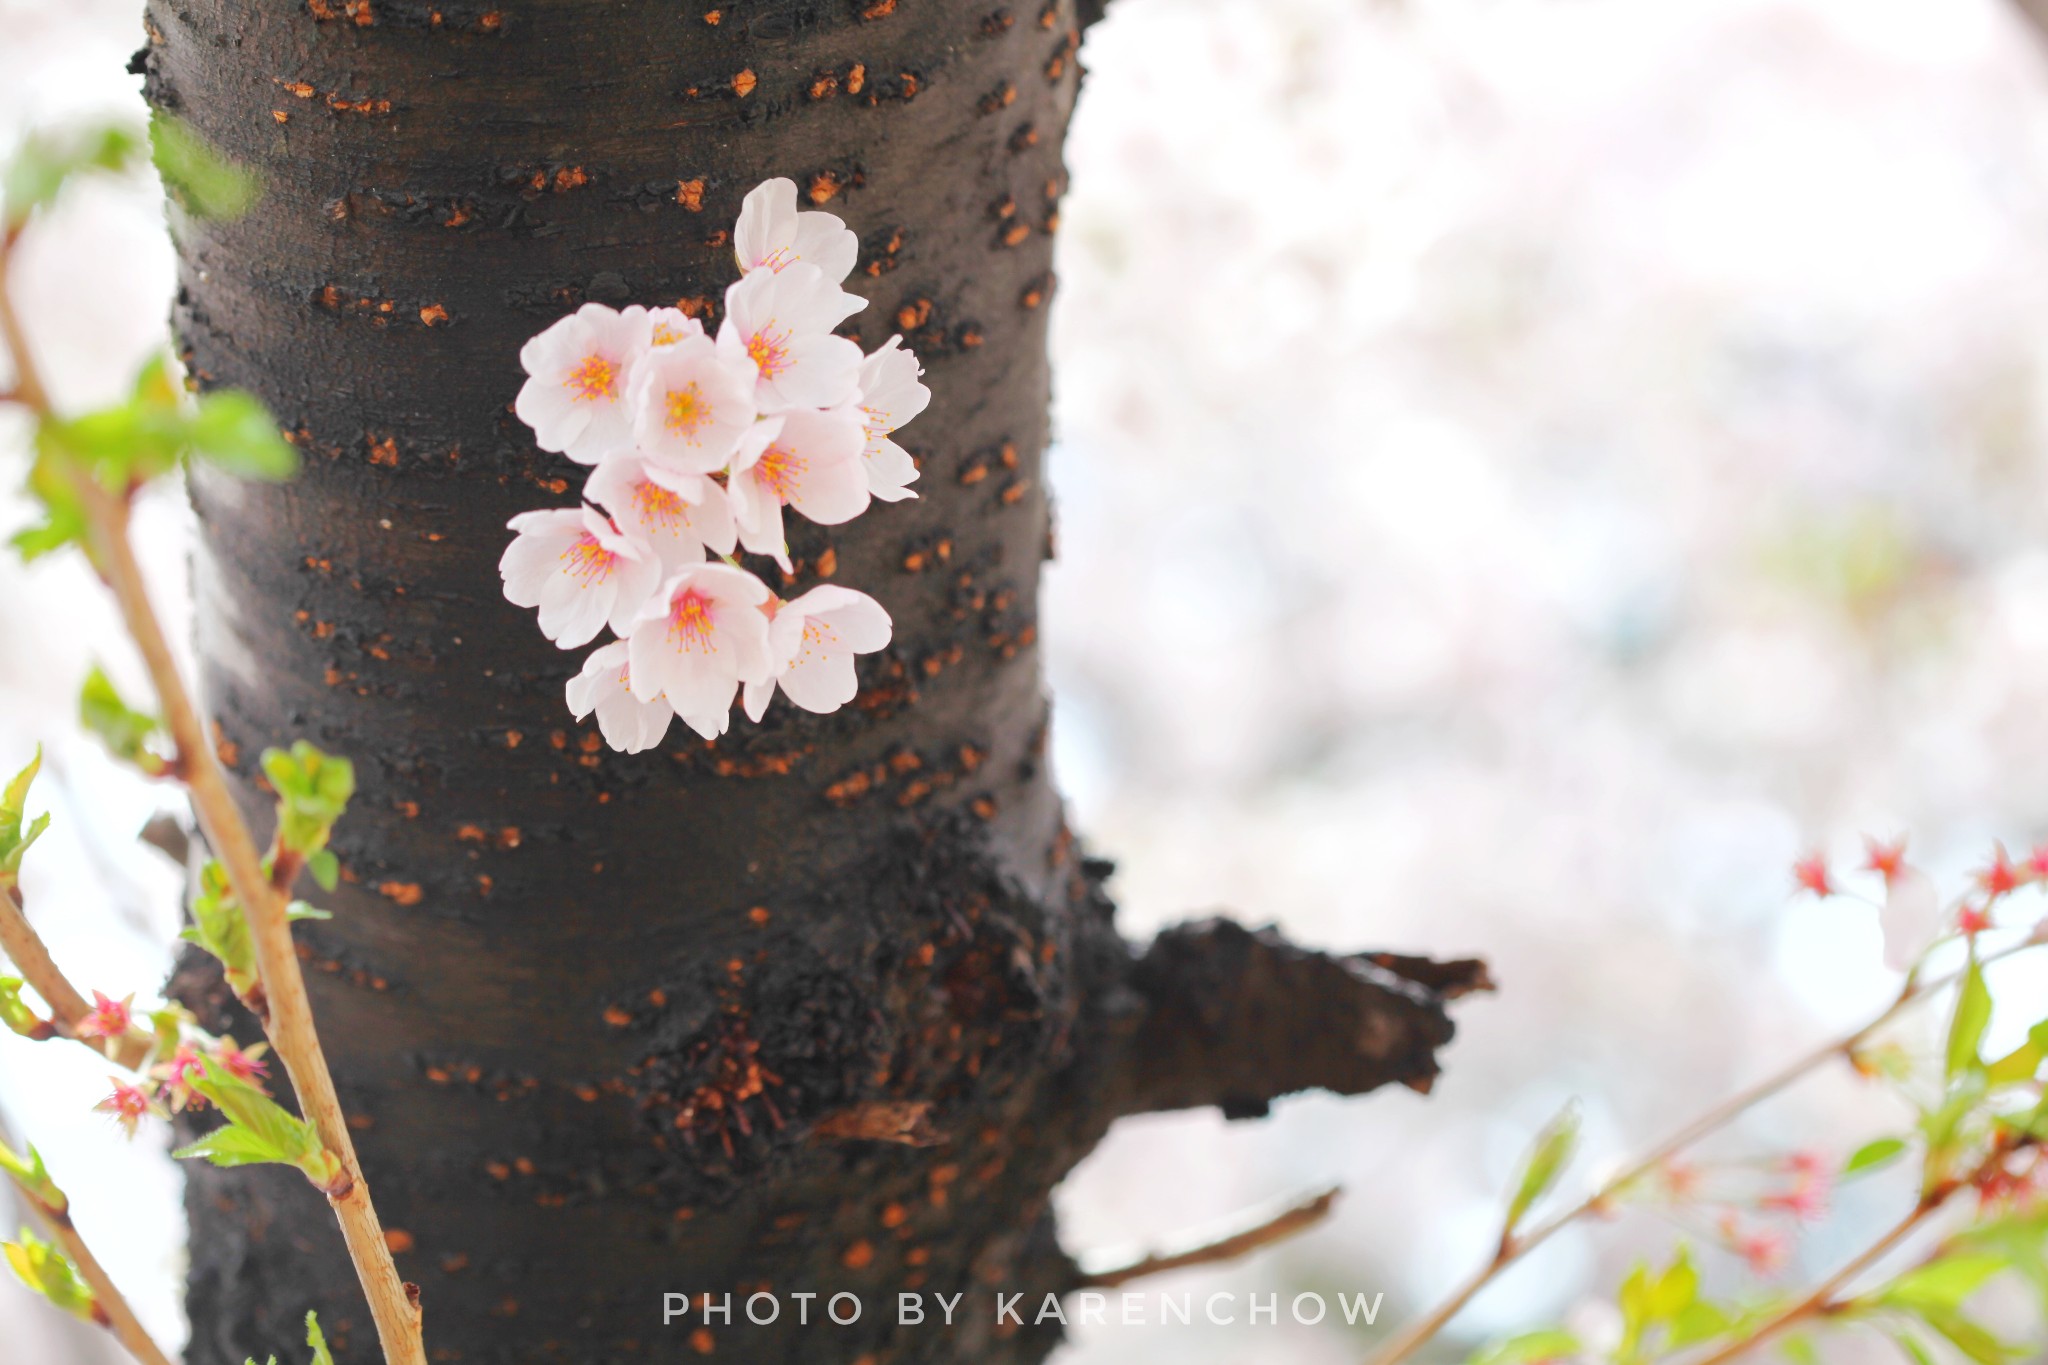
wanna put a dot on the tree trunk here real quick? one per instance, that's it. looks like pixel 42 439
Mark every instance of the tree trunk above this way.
pixel 829 1005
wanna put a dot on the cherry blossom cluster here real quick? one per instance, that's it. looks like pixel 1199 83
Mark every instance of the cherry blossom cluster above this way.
pixel 696 444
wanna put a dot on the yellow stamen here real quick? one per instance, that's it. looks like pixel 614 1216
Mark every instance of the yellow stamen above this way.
pixel 687 411
pixel 596 378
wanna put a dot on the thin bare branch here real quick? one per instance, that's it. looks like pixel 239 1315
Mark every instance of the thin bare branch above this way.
pixel 1294 1219
pixel 31 957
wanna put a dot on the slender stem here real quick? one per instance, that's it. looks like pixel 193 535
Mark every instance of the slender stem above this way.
pixel 26 949
pixel 1295 1219
pixel 1826 1297
pixel 394 1305
pixel 1514 1246
pixel 112 1309
pixel 28 387
pixel 1822 1299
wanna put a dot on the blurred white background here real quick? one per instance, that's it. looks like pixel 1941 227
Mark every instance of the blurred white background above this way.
pixel 1590 452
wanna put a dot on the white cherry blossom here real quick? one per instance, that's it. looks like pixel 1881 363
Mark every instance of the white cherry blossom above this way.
pixel 667 326
pixel 772 234
pixel 680 515
pixel 779 324
pixel 812 641
pixel 890 395
pixel 580 570
pixel 574 397
pixel 803 459
pixel 628 723
pixel 701 637
pixel 690 405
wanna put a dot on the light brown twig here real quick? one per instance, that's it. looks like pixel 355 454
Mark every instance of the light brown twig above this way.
pixel 111 1310
pixel 31 956
pixel 394 1305
pixel 1294 1219
pixel 1514 1246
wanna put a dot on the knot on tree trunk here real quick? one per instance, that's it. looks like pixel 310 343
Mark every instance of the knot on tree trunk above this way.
pixel 1238 1017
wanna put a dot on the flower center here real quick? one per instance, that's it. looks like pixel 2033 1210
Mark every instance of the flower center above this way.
pixel 593 380
pixel 588 560
pixel 778 470
pixel 769 351
pixel 690 624
pixel 658 506
pixel 687 411
pixel 665 335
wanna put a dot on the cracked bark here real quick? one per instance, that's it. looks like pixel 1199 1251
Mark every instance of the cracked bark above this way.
pixel 833 1004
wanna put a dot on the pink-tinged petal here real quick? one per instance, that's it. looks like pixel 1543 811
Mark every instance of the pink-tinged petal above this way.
pixel 711 520
pixel 822 683
pixel 890 392
pixel 890 469
pixel 814 465
pixel 526 566
pixel 755 696
pixel 823 372
pixel 556 419
pixel 823 240
pixel 772 235
pixel 630 725
pixel 767 225
pixel 636 582
pixel 710 723
pixel 862 624
pixel 573 611
pixel 603 676
pixel 760 532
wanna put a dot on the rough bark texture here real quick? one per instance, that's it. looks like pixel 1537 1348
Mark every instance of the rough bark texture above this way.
pixel 613 1026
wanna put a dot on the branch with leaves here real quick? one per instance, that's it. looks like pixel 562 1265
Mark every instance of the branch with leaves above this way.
pixel 86 474
pixel 1979 1135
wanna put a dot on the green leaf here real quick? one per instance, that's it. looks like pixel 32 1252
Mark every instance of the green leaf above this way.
pixel 15 1013
pixel 49 159
pixel 313 789
pixel 1972 1016
pixel 196 178
pixel 1912 1347
pixel 219 927
pixel 232 1146
pixel 236 432
pixel 259 1129
pixel 1874 1156
pixel 317 1339
pixel 1548 1156
pixel 29 1172
pixel 1530 1348
pixel 1945 1283
pixel 1799 1350
pixel 127 732
pixel 48 1272
pixel 326 870
pixel 63 520
pixel 15 836
pixel 1966 1335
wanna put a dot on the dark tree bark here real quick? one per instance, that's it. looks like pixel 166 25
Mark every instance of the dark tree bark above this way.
pixel 832 1004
